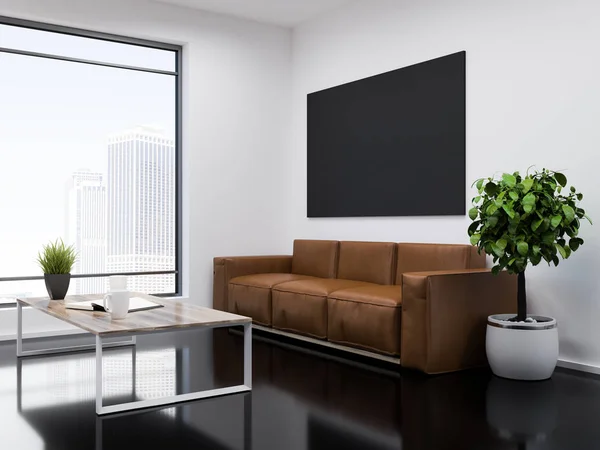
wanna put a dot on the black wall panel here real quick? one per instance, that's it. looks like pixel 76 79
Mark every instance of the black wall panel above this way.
pixel 390 145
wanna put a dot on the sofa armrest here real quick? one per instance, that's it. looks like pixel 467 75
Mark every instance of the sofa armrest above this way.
pixel 444 316
pixel 227 267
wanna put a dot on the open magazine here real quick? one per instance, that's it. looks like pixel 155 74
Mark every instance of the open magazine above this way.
pixel 135 304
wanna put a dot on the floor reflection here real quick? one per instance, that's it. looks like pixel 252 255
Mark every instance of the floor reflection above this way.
pixel 300 401
pixel 127 376
pixel 522 412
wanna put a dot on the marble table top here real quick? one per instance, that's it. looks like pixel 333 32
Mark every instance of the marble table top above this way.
pixel 175 314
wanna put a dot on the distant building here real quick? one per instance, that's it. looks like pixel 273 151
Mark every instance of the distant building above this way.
pixel 141 207
pixel 86 228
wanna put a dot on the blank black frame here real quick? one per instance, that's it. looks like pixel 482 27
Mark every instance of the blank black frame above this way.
pixel 390 145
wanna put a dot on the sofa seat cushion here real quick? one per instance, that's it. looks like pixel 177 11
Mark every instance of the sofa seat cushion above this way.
pixel 250 295
pixel 301 306
pixel 366 317
pixel 382 295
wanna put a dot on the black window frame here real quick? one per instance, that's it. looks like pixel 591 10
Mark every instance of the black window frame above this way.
pixel 177 73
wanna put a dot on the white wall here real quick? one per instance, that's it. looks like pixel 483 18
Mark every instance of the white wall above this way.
pixel 532 98
pixel 237 77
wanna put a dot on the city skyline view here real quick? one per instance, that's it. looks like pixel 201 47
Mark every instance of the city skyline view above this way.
pixel 139 184
pixel 126 223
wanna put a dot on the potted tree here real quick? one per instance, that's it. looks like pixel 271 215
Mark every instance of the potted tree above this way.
pixel 56 261
pixel 520 221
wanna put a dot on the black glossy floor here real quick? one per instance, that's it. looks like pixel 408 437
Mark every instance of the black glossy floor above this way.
pixel 299 401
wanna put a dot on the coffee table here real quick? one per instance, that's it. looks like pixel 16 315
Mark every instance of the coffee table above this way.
pixel 174 316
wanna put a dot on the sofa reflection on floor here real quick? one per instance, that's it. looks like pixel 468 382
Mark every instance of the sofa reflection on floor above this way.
pixel 422 412
pixel 424 305
pixel 359 395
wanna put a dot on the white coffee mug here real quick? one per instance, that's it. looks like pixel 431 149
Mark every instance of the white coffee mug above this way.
pixel 117 283
pixel 117 303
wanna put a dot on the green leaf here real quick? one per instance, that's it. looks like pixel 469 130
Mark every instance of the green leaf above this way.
pixel 536 224
pixel 475 239
pixel 529 199
pixel 510 180
pixel 501 244
pixel 561 250
pixel 514 195
pixel 497 250
pixel 527 183
pixel 508 211
pixel 574 243
pixel 473 227
pixel 562 180
pixel 479 184
pixel 492 221
pixel 579 197
pixel 496 270
pixel 548 238
pixel 569 213
pixel 477 199
pixel 536 249
pixel 588 219
pixel 522 248
pixel 528 202
pixel 491 209
pixel 473 213
pixel 535 259
pixel 491 188
pixel 520 264
pixel 555 221
pixel 499 199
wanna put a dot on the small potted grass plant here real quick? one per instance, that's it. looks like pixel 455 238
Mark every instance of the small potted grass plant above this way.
pixel 56 261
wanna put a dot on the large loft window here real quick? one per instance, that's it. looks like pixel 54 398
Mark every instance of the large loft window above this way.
pixel 90 153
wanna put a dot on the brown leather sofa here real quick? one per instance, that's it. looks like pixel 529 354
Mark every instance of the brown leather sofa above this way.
pixel 425 304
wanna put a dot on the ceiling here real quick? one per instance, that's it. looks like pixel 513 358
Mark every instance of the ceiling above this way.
pixel 287 13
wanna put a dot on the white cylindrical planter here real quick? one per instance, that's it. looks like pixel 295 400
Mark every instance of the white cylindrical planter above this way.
pixel 522 351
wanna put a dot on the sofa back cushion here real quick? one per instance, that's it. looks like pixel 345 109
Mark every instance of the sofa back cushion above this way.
pixel 315 258
pixel 426 257
pixel 373 262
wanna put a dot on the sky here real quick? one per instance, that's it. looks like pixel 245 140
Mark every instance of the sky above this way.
pixel 55 118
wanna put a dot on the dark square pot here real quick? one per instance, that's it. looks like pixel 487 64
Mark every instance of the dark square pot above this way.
pixel 57 285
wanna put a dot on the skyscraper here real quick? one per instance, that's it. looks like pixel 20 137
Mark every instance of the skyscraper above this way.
pixel 141 207
pixel 86 228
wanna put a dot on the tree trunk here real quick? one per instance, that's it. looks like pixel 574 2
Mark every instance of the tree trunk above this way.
pixel 521 298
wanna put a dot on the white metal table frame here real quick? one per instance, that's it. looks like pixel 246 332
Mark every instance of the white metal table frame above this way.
pixel 140 404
